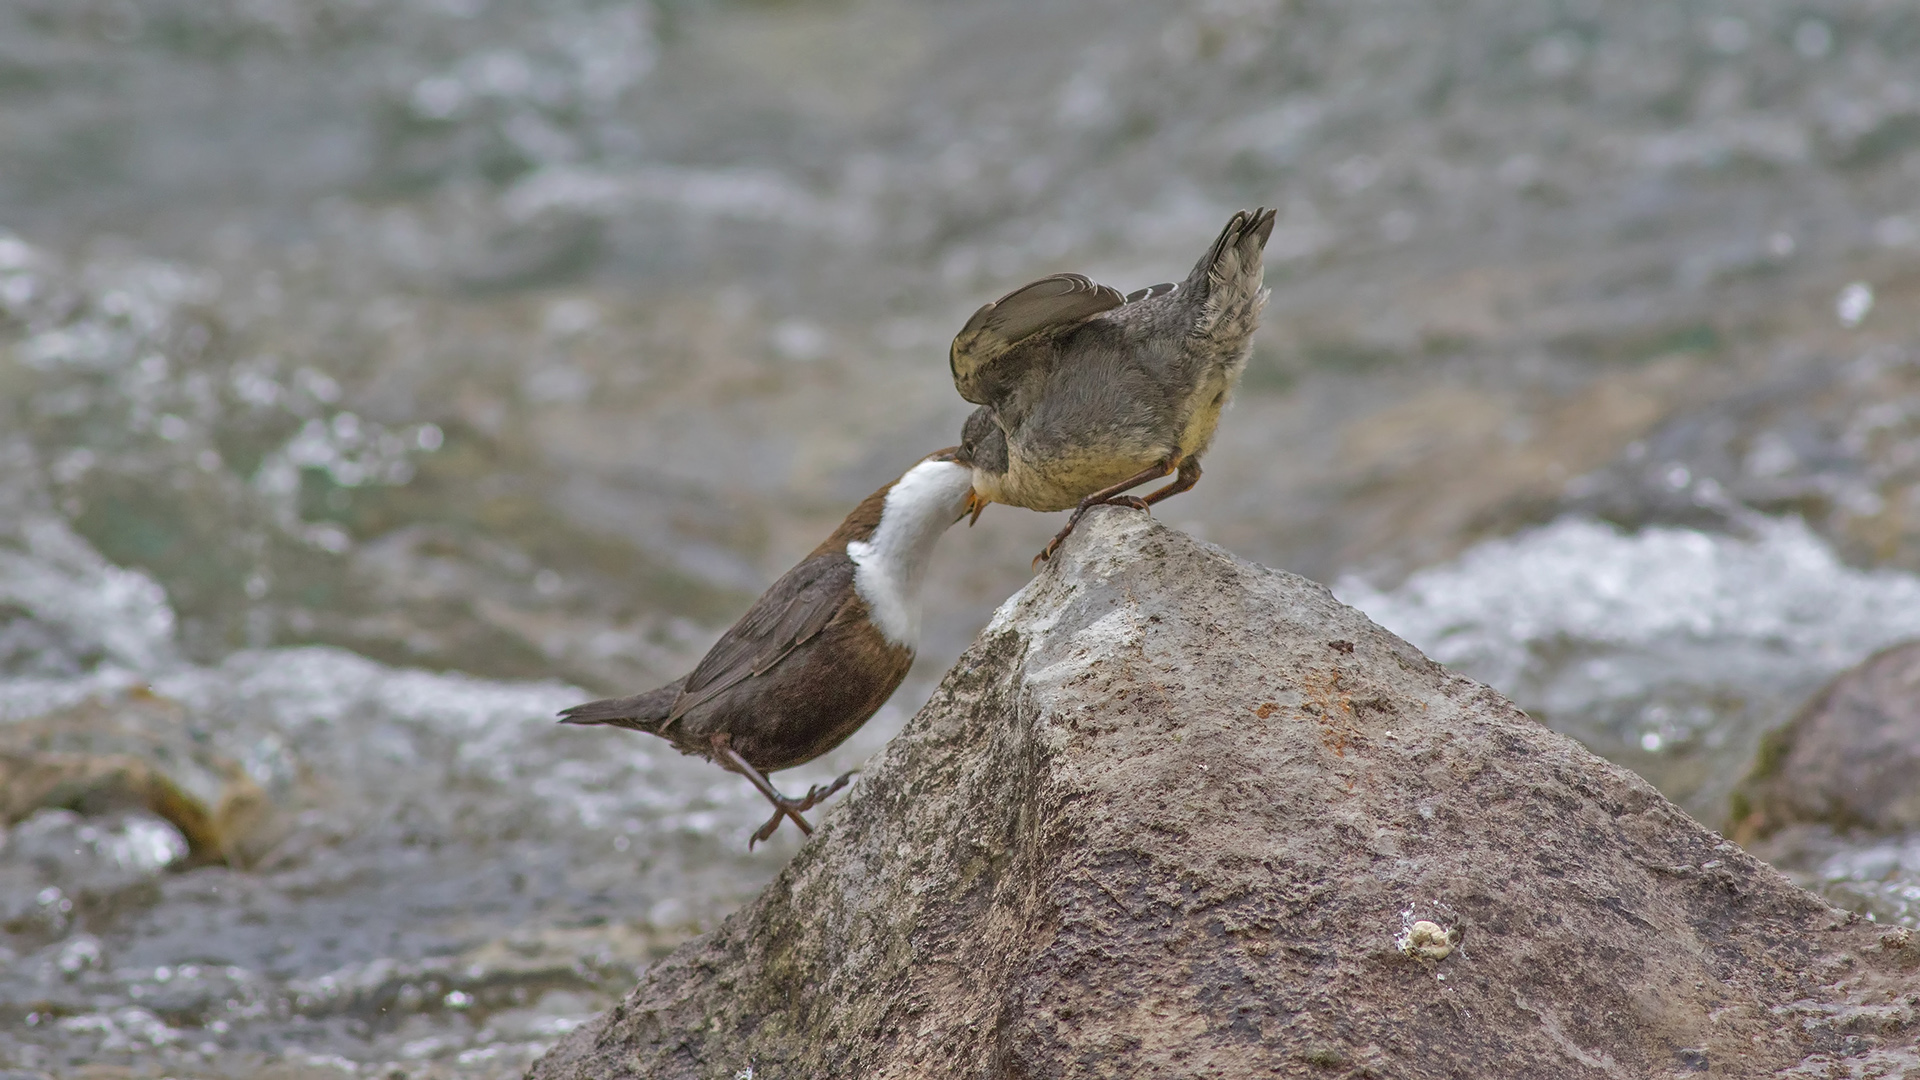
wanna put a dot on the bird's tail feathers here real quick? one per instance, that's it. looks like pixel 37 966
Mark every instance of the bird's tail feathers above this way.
pixel 1244 238
pixel 641 712
pixel 1230 275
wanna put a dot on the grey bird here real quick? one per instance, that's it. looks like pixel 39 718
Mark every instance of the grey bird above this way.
pixel 1086 394
pixel 817 654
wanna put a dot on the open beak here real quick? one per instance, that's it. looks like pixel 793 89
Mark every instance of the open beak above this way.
pixel 974 508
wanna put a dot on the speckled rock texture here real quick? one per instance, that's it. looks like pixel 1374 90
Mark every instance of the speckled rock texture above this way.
pixel 1177 815
pixel 1850 759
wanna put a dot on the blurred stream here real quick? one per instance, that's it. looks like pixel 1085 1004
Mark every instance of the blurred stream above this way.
pixel 376 379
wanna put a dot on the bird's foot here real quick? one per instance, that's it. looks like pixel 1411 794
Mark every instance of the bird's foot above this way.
pixel 772 826
pixel 818 793
pixel 785 806
pixel 1079 512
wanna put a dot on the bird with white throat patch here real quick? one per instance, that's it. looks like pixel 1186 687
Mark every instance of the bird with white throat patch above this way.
pixel 817 654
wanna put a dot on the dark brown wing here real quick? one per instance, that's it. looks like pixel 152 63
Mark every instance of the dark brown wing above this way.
pixel 797 607
pixel 1050 304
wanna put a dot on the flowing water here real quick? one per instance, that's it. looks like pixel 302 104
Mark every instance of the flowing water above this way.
pixel 376 379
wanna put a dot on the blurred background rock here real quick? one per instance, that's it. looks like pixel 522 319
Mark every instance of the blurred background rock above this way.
pixel 495 342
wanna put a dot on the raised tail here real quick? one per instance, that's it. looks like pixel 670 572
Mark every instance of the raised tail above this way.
pixel 641 712
pixel 1230 277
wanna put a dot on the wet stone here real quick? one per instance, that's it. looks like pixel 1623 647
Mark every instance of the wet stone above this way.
pixel 1831 798
pixel 1848 760
pixel 135 751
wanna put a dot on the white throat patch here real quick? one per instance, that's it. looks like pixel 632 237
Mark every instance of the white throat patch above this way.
pixel 890 566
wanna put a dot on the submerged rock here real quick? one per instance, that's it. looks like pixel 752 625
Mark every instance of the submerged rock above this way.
pixel 1177 815
pixel 1848 760
pixel 1831 798
pixel 137 751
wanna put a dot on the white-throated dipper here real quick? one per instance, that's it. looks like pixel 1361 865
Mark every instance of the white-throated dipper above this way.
pixel 1085 394
pixel 817 654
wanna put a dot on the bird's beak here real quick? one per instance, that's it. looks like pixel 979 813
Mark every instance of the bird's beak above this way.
pixel 975 507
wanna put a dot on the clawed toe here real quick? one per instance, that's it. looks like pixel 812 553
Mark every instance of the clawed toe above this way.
pixel 818 793
pixel 788 807
pixel 1053 545
pixel 773 825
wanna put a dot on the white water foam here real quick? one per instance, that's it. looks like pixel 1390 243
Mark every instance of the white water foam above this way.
pixel 1578 613
pixel 1670 650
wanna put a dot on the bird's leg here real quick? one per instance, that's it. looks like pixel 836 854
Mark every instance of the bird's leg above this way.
pixel 783 807
pixel 1189 476
pixel 1114 494
pixel 816 795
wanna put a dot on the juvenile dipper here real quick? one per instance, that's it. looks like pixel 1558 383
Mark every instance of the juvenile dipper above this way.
pixel 1085 394
pixel 817 654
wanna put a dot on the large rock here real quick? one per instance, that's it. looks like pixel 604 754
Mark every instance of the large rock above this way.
pixel 1849 760
pixel 1175 815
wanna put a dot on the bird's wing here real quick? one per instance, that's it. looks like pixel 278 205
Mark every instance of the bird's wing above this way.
pixel 789 614
pixel 1046 306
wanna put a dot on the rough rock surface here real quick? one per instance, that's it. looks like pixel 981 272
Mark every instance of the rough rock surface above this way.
pixel 1850 759
pixel 1176 815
